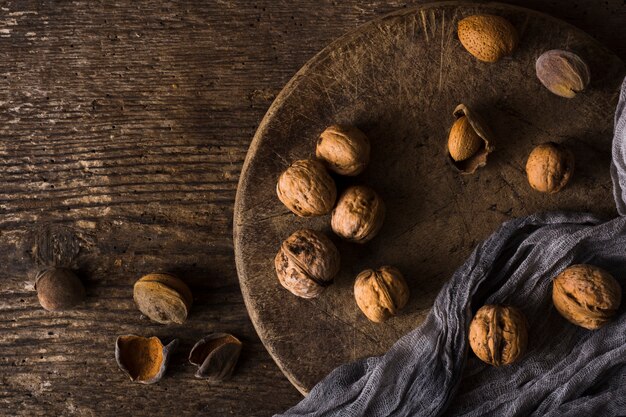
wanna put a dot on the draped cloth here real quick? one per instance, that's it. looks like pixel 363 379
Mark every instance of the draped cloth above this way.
pixel 567 370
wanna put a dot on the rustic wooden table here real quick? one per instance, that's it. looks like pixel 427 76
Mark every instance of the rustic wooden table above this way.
pixel 123 129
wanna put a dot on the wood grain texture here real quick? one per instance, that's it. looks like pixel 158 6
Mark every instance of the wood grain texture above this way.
pixel 123 129
pixel 398 79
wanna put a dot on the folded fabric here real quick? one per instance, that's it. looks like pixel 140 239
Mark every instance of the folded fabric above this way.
pixel 568 371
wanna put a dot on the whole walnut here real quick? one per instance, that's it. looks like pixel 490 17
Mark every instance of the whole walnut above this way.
pixel 586 295
pixel 344 149
pixel 549 167
pixel 381 293
pixel 498 334
pixel 307 263
pixel 359 214
pixel 307 189
pixel 59 289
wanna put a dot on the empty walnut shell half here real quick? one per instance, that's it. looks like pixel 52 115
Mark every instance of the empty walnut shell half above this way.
pixel 307 189
pixel 344 149
pixel 163 298
pixel 549 167
pixel 563 73
pixel 359 214
pixel 306 263
pixel 215 356
pixel 143 359
pixel 469 142
pixel 487 37
pixel 58 289
pixel 586 295
pixel 381 293
pixel 498 334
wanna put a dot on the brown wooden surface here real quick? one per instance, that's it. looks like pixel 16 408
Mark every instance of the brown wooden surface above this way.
pixel 123 130
pixel 399 79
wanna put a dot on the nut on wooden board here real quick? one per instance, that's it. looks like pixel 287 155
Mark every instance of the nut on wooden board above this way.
pixel 59 289
pixel 498 334
pixel 215 356
pixel 344 149
pixel 306 263
pixel 562 72
pixel 470 141
pixel 306 188
pixel 381 293
pixel 143 359
pixel 359 214
pixel 487 37
pixel 549 167
pixel 163 298
pixel 586 295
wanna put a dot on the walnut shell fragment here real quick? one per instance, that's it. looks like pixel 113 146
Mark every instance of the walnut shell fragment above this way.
pixel 306 263
pixel 498 334
pixel 487 37
pixel 549 167
pixel 359 214
pixel 215 356
pixel 58 289
pixel 163 298
pixel 586 295
pixel 307 189
pixel 563 73
pixel 344 149
pixel 143 359
pixel 381 293
pixel 470 141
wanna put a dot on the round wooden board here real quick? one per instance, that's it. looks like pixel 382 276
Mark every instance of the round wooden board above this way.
pixel 399 78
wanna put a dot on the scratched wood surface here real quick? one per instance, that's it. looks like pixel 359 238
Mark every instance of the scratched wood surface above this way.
pixel 123 129
pixel 398 79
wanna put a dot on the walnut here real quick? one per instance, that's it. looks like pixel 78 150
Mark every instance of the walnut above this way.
pixel 381 293
pixel 359 214
pixel 498 334
pixel 549 167
pixel 344 149
pixel 307 189
pixel 306 263
pixel 586 295
pixel 59 289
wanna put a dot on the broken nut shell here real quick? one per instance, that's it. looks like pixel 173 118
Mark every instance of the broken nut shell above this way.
pixel 586 295
pixel 470 141
pixel 307 189
pixel 562 72
pixel 163 298
pixel 215 356
pixel 58 289
pixel 143 359
pixel 487 37
pixel 381 293
pixel 498 334
pixel 359 214
pixel 307 263
pixel 549 167
pixel 344 149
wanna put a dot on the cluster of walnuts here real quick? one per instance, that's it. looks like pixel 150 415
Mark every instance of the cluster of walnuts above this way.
pixel 308 261
pixel 586 295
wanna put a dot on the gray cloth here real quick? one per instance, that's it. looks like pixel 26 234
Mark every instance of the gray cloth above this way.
pixel 568 371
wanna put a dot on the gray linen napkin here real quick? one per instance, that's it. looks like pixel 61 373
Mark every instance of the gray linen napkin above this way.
pixel 568 371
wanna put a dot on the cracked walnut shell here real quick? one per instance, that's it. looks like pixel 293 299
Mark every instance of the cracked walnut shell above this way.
pixel 307 263
pixel 359 214
pixel 307 189
pixel 586 295
pixel 344 149
pixel 549 167
pixel 143 359
pixel 381 293
pixel 498 334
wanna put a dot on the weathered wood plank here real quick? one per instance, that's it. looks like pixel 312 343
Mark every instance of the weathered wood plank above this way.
pixel 125 124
